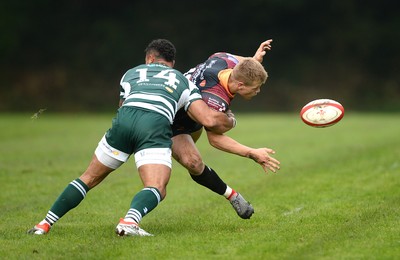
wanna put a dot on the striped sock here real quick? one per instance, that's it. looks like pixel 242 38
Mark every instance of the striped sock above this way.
pixel 143 202
pixel 73 194
pixel 229 193
pixel 51 218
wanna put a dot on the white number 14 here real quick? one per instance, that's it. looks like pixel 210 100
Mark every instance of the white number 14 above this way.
pixel 168 75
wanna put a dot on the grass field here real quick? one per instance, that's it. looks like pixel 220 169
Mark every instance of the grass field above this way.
pixel 337 195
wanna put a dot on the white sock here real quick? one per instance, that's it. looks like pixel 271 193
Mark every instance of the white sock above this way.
pixel 229 192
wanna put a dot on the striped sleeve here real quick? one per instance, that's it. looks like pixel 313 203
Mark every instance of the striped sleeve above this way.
pixel 192 94
pixel 124 88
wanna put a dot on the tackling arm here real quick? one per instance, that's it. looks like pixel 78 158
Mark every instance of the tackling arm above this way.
pixel 259 155
pixel 217 122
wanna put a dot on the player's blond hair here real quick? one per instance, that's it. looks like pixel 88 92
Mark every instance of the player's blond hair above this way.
pixel 250 72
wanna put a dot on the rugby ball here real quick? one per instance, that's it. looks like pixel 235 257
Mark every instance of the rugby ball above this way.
pixel 322 113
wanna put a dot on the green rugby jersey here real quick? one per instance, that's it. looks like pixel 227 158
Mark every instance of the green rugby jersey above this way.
pixel 158 88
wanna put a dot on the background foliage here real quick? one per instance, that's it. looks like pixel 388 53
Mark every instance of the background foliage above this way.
pixel 70 55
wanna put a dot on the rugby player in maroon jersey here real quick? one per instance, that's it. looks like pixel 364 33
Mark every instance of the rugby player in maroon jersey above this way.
pixel 220 78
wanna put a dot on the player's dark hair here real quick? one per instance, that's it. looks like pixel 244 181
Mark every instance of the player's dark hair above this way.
pixel 161 48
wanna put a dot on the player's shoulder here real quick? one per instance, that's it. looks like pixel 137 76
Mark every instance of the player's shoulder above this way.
pixel 178 72
pixel 225 56
pixel 134 69
pixel 180 76
pixel 137 67
pixel 222 60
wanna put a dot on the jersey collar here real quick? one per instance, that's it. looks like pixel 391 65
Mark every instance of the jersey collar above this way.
pixel 223 77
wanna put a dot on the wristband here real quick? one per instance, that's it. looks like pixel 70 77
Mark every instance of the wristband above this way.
pixel 234 122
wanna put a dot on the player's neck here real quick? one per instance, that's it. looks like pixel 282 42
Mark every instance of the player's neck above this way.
pixel 232 84
pixel 153 59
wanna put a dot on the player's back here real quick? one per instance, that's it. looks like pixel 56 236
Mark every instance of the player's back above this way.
pixel 158 88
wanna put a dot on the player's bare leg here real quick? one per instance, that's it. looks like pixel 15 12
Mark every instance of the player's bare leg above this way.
pixel 95 173
pixel 73 194
pixel 184 150
pixel 186 153
pixel 155 178
pixel 155 175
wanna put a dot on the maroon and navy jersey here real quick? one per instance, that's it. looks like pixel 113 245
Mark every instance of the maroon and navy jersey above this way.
pixel 211 77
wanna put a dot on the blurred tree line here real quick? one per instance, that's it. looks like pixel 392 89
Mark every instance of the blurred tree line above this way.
pixel 71 55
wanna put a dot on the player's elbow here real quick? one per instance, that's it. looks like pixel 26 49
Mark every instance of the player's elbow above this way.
pixel 217 126
pixel 210 122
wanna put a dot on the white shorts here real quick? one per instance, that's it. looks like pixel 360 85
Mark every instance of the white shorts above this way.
pixel 154 156
pixel 114 158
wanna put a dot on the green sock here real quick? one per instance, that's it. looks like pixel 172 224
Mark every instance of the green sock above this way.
pixel 73 194
pixel 143 202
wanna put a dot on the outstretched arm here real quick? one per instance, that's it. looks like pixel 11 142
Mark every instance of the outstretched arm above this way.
pixel 260 52
pixel 259 155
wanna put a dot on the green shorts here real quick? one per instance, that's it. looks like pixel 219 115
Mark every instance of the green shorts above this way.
pixel 135 129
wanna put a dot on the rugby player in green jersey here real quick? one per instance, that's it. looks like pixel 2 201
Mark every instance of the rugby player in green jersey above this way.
pixel 142 126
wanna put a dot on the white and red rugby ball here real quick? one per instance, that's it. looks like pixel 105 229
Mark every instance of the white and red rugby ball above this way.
pixel 322 113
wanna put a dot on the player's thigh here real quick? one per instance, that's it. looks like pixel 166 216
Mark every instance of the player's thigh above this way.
pixel 184 150
pixel 196 135
pixel 183 145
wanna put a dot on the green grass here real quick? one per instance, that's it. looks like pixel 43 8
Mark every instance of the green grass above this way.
pixel 337 195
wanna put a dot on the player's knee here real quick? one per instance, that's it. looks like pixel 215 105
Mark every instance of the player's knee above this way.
pixel 193 163
pixel 191 160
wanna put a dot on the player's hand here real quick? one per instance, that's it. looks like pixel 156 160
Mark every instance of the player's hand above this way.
pixel 262 157
pixel 262 50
